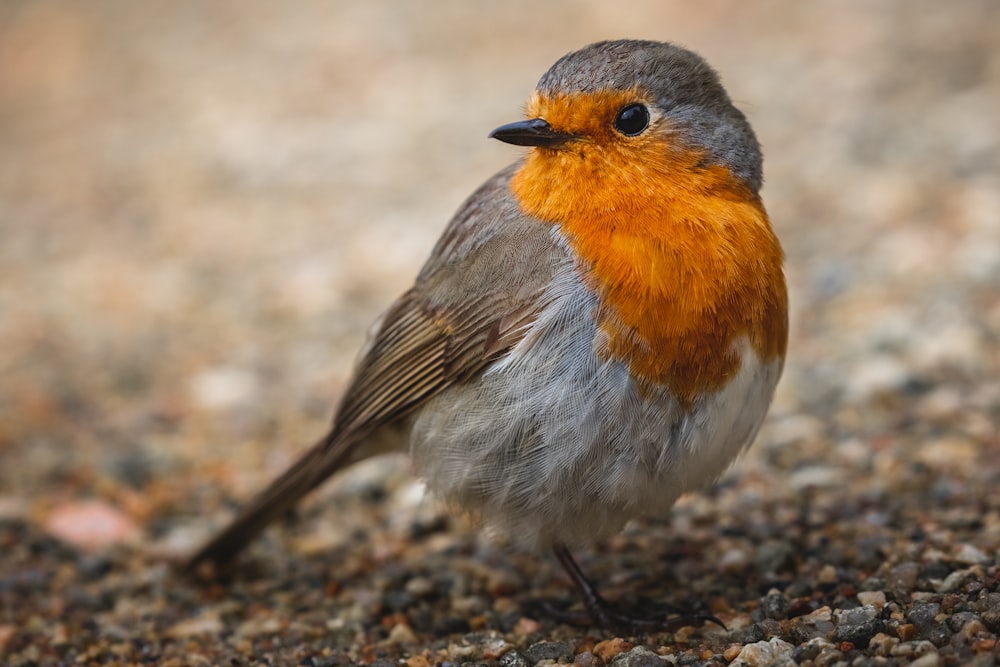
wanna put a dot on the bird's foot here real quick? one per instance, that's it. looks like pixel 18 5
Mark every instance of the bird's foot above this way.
pixel 598 612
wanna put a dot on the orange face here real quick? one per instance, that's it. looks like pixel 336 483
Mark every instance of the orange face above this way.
pixel 681 252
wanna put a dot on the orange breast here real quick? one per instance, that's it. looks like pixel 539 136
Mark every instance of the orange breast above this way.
pixel 683 256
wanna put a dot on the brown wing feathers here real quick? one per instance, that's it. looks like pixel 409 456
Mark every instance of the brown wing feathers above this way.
pixel 414 356
pixel 472 302
pixel 404 366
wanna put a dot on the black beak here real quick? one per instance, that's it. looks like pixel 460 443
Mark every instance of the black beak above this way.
pixel 533 132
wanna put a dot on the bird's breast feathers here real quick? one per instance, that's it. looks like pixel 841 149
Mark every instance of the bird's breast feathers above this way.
pixel 684 267
pixel 561 431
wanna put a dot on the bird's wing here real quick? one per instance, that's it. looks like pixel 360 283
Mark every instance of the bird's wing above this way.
pixel 483 284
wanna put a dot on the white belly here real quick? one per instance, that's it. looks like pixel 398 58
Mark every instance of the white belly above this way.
pixel 557 444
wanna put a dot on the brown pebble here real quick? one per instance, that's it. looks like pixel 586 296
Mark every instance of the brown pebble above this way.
pixel 401 634
pixel 719 606
pixel 494 648
pixel 906 631
pixel 682 635
pixel 985 645
pixel 525 626
pixel 874 598
pixel 730 653
pixel 882 644
pixel 207 624
pixel 609 648
pixel 973 629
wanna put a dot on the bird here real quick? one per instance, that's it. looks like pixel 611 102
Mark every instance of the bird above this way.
pixel 600 328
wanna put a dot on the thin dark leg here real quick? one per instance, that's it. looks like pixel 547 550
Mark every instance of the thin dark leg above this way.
pixel 596 605
pixel 603 614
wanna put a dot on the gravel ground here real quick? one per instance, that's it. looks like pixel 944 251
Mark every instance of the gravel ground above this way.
pixel 203 206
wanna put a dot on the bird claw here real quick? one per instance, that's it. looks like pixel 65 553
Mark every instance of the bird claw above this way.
pixel 602 614
pixel 599 612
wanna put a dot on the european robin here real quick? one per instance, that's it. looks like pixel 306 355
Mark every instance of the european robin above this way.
pixel 599 330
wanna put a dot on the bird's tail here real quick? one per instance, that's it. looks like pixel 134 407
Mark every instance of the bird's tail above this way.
pixel 309 471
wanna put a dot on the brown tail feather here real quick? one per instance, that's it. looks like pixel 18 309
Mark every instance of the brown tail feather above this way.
pixel 308 472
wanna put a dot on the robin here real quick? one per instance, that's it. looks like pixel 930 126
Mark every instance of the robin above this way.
pixel 599 330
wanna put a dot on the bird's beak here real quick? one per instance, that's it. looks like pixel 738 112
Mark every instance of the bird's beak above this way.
pixel 533 132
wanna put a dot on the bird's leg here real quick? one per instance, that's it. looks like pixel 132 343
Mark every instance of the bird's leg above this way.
pixel 597 607
pixel 601 613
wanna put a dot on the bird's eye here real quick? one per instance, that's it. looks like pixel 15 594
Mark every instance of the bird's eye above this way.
pixel 632 120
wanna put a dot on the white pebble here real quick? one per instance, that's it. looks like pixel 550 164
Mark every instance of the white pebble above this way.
pixel 224 387
pixel 873 598
pixel 764 653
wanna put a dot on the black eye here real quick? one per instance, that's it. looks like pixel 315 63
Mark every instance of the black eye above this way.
pixel 632 120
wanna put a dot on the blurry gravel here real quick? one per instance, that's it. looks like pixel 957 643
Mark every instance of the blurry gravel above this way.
pixel 203 207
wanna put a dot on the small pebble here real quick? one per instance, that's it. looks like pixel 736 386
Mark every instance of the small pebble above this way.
pixel 882 644
pixel 401 633
pixel 903 577
pixel 495 646
pixel 91 524
pixel 970 555
pixel 954 581
pixel 550 650
pixel 609 648
pixel 873 598
pixel 732 651
pixel 224 387
pixel 827 575
pixel 927 660
pixel 763 653
pixel 906 631
pixel 855 616
pixel 858 634
pixel 913 649
pixel 513 659
pixel 587 659
pixel 775 606
pixel 640 656
pixel 733 560
pixel 206 624
pixel 419 587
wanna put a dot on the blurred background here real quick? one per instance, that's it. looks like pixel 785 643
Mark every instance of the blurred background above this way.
pixel 204 205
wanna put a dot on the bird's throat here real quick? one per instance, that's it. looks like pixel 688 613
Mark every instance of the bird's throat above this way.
pixel 681 254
